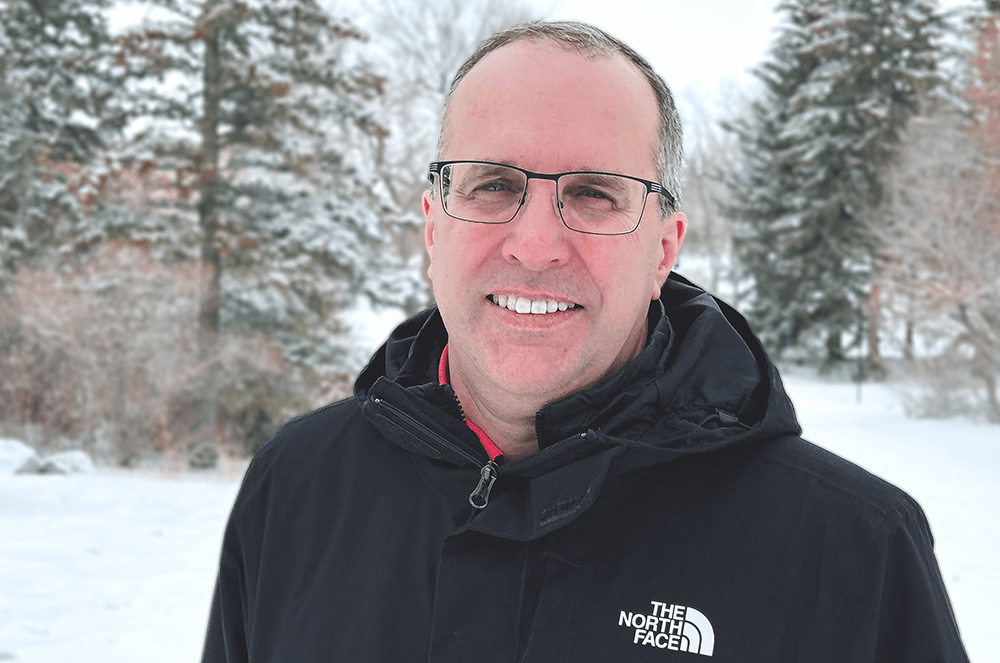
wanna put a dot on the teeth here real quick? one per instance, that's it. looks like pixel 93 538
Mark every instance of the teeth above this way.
pixel 525 305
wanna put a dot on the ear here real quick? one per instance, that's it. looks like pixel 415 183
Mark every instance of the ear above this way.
pixel 671 236
pixel 428 205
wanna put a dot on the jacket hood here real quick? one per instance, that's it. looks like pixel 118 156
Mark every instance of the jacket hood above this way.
pixel 702 382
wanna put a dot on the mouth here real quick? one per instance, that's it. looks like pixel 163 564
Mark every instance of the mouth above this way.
pixel 524 305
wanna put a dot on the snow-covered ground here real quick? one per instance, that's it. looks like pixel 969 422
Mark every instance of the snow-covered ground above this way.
pixel 110 567
pixel 118 567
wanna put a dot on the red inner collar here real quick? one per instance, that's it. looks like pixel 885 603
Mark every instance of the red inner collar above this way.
pixel 492 450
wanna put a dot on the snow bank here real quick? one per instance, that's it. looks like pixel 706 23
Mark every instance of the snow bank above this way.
pixel 14 454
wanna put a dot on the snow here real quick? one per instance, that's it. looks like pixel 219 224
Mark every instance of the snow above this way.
pixel 119 566
pixel 110 566
pixel 13 454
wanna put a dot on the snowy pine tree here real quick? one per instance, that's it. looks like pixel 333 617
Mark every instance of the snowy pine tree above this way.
pixel 255 106
pixel 58 107
pixel 840 82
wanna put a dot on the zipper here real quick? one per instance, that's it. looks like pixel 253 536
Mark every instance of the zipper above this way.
pixel 546 453
pixel 405 419
pixel 488 473
pixel 480 497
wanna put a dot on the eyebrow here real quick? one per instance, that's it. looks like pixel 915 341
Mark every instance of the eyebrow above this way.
pixel 584 169
pixel 487 166
pixel 602 178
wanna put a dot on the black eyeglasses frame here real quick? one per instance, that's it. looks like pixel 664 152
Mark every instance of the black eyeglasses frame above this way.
pixel 651 187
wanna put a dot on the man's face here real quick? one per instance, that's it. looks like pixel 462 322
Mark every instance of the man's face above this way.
pixel 549 111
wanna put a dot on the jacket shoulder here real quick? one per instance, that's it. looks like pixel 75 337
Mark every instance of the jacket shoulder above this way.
pixel 312 444
pixel 816 464
pixel 802 461
pixel 322 425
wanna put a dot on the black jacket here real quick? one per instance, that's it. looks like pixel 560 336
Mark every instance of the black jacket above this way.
pixel 671 512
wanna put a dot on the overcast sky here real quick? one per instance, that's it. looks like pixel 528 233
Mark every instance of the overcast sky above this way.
pixel 698 46
pixel 695 44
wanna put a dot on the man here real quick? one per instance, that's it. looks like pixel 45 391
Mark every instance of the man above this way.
pixel 573 457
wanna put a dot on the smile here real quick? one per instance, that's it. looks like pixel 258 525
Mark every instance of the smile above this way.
pixel 532 306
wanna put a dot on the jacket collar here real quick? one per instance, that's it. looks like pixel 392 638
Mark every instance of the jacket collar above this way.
pixel 702 382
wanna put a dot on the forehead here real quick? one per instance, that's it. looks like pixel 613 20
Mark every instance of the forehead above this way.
pixel 548 109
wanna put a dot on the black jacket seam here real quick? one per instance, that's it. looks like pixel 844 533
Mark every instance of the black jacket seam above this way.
pixel 882 511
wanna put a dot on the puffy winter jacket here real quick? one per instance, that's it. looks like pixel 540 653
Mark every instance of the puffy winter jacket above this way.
pixel 671 513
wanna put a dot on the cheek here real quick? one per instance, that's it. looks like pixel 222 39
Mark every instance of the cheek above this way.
pixel 457 257
pixel 627 269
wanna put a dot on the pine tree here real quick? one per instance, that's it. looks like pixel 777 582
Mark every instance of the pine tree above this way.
pixel 254 106
pixel 841 81
pixel 58 107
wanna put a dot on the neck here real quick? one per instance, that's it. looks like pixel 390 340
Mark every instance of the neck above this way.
pixel 508 418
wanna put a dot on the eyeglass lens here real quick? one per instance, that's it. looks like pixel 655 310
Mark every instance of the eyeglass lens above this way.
pixel 588 202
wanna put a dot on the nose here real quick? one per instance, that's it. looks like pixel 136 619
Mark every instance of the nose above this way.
pixel 536 238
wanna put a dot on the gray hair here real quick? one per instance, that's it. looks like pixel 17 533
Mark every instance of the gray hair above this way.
pixel 592 42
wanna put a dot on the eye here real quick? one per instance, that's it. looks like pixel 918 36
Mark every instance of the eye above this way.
pixel 594 193
pixel 488 181
pixel 589 195
pixel 495 185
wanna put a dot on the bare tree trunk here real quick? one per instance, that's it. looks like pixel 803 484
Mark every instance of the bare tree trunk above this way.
pixel 876 364
pixel 993 413
pixel 208 216
pixel 908 353
pixel 207 424
pixel 834 347
pixel 984 360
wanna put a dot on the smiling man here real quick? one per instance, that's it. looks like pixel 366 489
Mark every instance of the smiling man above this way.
pixel 538 107
pixel 575 455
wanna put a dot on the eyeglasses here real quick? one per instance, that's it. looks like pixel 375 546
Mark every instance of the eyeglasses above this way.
pixel 588 202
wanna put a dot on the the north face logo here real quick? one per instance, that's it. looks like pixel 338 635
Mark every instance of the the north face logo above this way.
pixel 669 626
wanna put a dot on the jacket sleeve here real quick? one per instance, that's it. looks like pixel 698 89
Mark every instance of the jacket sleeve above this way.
pixel 898 608
pixel 226 640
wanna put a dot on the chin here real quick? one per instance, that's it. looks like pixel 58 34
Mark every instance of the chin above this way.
pixel 550 385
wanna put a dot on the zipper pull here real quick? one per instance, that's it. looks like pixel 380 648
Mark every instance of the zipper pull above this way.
pixel 487 477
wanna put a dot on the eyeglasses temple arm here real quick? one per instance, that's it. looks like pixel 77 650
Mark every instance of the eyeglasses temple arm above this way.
pixel 657 188
pixel 434 169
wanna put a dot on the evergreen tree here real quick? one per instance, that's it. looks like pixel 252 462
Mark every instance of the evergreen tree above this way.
pixel 58 107
pixel 840 82
pixel 253 106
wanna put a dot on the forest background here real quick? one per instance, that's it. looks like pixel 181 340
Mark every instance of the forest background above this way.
pixel 196 204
